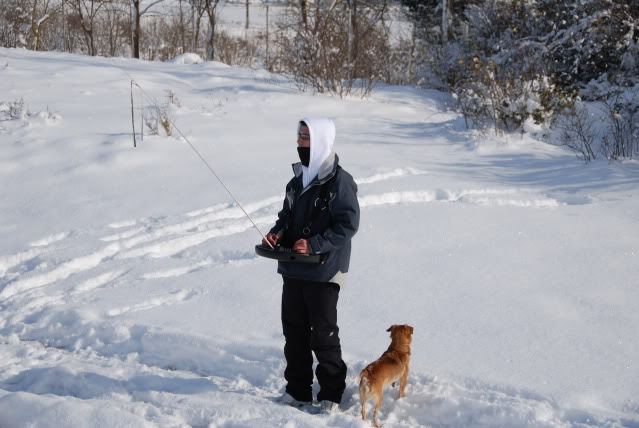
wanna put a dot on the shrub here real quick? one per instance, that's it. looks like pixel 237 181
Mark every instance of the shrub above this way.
pixel 14 110
pixel 160 117
pixel 621 115
pixel 235 50
pixel 578 131
pixel 333 51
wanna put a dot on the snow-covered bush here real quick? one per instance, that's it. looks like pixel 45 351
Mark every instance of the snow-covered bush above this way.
pixel 428 15
pixel 505 99
pixel 589 38
pixel 14 23
pixel 499 68
pixel 608 127
pixel 48 117
pixel 334 51
pixel 234 50
pixel 215 108
pixel 172 98
pixel 159 118
pixel 406 62
pixel 19 114
pixel 621 115
pixel 503 89
pixel 14 110
pixel 186 58
pixel 578 131
pixel 580 40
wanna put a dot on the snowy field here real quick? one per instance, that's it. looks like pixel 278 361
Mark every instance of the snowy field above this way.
pixel 232 18
pixel 130 294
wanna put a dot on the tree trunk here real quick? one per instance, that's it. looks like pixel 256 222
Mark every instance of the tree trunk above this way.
pixel 210 7
pixel 92 43
pixel 36 27
pixel 194 46
pixel 445 11
pixel 303 7
pixel 88 39
pixel 247 14
pixel 354 36
pixel 182 29
pixel 86 24
pixel 136 29
pixel 131 29
pixel 113 35
pixel 196 41
pixel 210 48
pixel 349 77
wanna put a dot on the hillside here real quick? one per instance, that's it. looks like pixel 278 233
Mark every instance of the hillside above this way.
pixel 130 294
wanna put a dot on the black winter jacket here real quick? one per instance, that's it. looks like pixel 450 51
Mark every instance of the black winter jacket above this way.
pixel 335 222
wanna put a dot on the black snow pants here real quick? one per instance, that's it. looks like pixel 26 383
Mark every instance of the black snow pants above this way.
pixel 309 321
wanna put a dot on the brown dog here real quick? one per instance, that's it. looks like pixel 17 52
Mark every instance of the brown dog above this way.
pixel 388 369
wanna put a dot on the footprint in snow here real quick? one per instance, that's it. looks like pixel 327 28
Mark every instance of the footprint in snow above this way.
pixel 164 300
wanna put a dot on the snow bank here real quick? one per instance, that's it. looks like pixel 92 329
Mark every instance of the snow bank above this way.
pixel 186 58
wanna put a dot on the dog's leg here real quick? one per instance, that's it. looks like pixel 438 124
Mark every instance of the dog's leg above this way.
pixel 363 403
pixel 404 381
pixel 378 403
pixel 363 396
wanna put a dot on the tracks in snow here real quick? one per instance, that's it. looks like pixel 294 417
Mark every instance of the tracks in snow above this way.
pixel 152 238
pixel 118 365
pixel 211 385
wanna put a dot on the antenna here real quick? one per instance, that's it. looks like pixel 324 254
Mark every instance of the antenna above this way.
pixel 196 152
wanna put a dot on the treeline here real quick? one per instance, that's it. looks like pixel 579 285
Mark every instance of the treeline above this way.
pixel 337 46
pixel 147 29
pixel 516 64
pixel 510 64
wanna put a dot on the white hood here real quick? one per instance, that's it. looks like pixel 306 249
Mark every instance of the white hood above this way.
pixel 322 132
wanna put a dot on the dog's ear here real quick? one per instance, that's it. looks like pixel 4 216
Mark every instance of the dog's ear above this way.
pixel 391 327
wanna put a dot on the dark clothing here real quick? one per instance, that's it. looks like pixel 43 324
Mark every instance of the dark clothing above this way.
pixel 309 320
pixel 329 230
pixel 326 214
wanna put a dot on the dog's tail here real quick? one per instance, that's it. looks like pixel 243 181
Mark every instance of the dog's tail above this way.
pixel 364 390
pixel 364 383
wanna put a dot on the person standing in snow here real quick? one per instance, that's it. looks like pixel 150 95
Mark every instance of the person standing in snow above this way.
pixel 320 216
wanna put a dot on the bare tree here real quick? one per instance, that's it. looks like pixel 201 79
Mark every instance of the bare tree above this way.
pixel 15 23
pixel 621 115
pixel 445 18
pixel 340 48
pixel 114 26
pixel 198 8
pixel 87 11
pixel 183 24
pixel 303 9
pixel 41 12
pixel 578 131
pixel 363 16
pixel 211 12
pixel 138 11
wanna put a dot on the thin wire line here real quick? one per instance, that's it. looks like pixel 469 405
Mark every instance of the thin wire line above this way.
pixel 196 151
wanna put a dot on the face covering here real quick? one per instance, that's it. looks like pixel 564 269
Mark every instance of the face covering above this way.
pixel 305 155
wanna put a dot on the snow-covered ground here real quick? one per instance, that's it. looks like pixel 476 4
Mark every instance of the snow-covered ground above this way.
pixel 232 18
pixel 130 294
